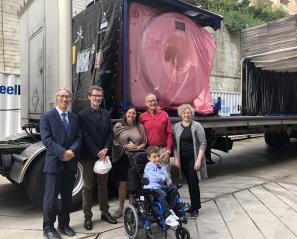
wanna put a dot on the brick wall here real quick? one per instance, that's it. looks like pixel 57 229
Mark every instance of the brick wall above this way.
pixel 79 5
pixel 225 75
pixel 9 36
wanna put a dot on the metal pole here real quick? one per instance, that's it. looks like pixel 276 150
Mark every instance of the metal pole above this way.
pixel 65 39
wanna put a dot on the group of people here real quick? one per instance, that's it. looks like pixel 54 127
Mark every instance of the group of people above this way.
pixel 90 136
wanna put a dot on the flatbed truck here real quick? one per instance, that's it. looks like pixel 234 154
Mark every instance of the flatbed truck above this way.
pixel 46 65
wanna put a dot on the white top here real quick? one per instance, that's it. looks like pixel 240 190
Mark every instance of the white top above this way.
pixel 60 113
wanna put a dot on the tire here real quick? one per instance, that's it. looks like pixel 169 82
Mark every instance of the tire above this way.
pixel 34 181
pixel 276 139
pixel 131 222
pixel 34 184
pixel 182 233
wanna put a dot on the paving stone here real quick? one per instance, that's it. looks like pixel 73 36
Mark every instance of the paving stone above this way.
pixel 267 223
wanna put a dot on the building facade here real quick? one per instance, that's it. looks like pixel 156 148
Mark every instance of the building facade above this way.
pixel 79 5
pixel 289 5
pixel 9 33
pixel 9 37
pixel 10 82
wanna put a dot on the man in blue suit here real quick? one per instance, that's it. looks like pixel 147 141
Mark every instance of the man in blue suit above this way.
pixel 60 134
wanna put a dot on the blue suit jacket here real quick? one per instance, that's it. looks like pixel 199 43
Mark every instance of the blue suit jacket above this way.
pixel 56 141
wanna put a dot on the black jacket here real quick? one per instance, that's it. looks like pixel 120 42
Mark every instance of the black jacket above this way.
pixel 97 133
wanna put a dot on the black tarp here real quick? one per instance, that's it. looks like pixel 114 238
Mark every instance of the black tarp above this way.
pixel 100 27
pixel 268 92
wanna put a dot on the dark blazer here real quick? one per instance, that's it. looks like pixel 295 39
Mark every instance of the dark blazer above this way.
pixel 56 141
pixel 97 133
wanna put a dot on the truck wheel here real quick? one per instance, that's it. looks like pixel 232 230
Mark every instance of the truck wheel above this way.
pixel 34 181
pixel 34 184
pixel 276 139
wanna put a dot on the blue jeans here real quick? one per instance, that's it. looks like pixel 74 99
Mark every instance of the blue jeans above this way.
pixel 167 196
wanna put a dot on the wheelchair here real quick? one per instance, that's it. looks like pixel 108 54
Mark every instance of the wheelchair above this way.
pixel 145 210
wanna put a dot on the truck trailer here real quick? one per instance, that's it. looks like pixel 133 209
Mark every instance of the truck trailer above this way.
pixel 130 48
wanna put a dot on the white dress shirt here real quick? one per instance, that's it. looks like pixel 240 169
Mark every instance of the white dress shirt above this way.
pixel 60 112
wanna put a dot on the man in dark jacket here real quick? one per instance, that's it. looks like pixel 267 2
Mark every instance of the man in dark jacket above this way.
pixel 60 134
pixel 97 139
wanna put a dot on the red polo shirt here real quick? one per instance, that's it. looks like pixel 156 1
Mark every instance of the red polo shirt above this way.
pixel 158 129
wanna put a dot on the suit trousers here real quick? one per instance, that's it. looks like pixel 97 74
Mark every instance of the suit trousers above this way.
pixel 187 167
pixel 88 176
pixel 54 184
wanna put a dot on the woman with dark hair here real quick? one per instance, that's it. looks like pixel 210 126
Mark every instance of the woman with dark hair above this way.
pixel 128 135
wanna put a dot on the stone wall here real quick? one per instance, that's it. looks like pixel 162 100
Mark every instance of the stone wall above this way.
pixel 225 74
pixel 79 5
pixel 9 37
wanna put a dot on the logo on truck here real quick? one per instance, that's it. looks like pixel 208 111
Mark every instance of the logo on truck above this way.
pixel 10 90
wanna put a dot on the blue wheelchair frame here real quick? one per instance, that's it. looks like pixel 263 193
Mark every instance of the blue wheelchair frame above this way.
pixel 145 211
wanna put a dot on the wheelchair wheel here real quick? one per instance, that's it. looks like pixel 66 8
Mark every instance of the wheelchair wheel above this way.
pixel 182 233
pixel 131 222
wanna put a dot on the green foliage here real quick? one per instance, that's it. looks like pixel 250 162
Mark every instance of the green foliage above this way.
pixel 238 16
pixel 235 21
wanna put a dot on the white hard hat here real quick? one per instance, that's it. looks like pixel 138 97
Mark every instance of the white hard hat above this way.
pixel 102 167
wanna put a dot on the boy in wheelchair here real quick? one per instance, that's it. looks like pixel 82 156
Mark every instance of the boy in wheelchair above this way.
pixel 161 185
pixel 154 197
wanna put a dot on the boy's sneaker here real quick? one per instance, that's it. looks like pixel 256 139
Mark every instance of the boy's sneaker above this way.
pixel 170 221
pixel 174 215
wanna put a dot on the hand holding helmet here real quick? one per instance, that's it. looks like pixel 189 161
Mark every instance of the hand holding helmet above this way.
pixel 102 166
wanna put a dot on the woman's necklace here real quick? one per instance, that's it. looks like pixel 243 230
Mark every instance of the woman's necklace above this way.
pixel 186 124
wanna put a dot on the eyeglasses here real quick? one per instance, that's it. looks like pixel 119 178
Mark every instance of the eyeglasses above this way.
pixel 67 97
pixel 97 96
pixel 151 101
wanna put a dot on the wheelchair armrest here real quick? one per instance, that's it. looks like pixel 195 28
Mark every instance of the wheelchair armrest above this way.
pixel 145 181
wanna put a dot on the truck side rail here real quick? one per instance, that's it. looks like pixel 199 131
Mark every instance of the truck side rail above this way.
pixel 235 125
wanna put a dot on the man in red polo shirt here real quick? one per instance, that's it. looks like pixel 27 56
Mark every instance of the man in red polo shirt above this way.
pixel 157 126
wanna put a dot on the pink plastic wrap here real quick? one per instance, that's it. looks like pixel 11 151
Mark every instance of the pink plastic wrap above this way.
pixel 170 56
